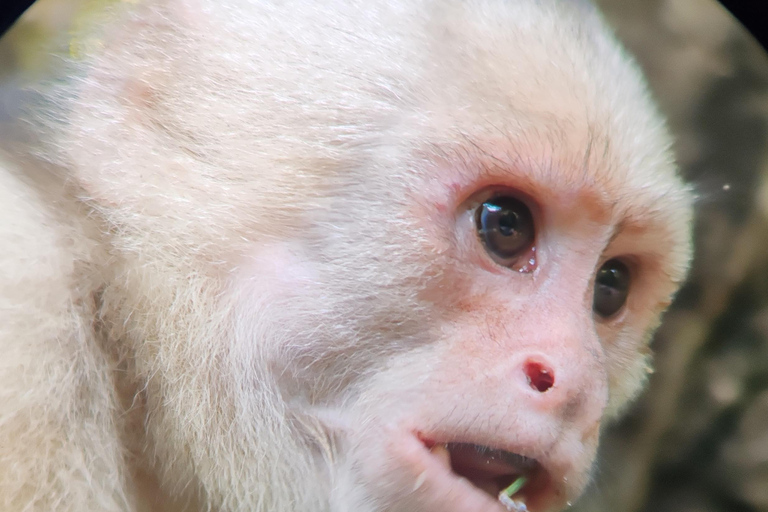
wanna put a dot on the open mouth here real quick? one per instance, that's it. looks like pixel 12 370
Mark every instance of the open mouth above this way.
pixel 520 483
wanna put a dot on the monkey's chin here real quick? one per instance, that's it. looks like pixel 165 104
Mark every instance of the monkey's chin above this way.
pixel 452 476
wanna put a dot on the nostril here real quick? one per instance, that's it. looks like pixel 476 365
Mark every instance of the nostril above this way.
pixel 539 376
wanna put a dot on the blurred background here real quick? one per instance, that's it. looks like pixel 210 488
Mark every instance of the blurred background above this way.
pixel 697 441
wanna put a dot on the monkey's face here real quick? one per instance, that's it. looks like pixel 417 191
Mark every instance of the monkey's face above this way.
pixel 469 319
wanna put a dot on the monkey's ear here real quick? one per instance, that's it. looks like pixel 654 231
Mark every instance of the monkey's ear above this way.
pixel 143 50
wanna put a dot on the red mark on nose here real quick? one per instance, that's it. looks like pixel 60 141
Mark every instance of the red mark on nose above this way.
pixel 539 376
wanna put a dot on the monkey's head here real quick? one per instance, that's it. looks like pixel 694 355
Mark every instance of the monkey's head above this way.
pixel 376 255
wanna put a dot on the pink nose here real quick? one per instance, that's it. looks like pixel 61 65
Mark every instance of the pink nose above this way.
pixel 540 376
pixel 563 387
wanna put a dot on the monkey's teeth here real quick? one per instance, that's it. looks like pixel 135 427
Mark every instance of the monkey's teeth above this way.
pixel 512 505
pixel 420 481
pixel 443 455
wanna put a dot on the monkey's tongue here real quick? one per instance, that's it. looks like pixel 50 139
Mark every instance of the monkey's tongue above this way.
pixel 488 469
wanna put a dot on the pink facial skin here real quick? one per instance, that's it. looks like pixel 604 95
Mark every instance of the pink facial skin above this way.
pixel 511 360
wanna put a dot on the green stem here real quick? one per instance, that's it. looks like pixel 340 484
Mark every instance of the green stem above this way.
pixel 515 486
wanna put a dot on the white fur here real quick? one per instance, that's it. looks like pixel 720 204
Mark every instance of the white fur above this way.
pixel 238 280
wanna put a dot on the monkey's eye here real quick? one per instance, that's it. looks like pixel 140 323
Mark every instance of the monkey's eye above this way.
pixel 611 288
pixel 505 225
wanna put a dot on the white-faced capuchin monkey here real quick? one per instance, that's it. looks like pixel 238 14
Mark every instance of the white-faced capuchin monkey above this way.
pixel 341 256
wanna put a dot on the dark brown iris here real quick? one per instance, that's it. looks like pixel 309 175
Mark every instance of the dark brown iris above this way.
pixel 505 225
pixel 611 288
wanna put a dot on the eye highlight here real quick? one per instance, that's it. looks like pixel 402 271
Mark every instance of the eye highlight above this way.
pixel 505 226
pixel 611 288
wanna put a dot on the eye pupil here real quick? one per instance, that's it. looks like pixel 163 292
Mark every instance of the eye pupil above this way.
pixel 611 288
pixel 508 222
pixel 505 225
